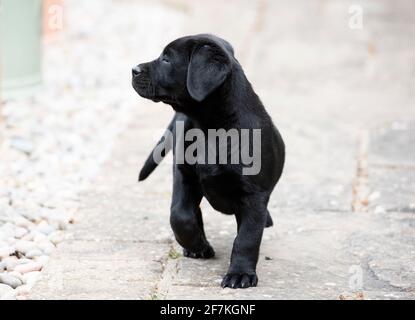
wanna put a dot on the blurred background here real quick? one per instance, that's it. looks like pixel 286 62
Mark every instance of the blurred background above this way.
pixel 338 78
pixel 326 70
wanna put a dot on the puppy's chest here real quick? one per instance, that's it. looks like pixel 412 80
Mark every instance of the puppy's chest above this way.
pixel 224 189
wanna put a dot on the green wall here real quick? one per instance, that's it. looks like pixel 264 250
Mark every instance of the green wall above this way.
pixel 20 48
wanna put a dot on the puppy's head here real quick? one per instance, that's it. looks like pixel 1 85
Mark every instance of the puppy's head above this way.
pixel 191 67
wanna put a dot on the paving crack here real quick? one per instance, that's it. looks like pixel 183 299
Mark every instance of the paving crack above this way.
pixel 393 166
pixel 170 269
pixel 361 190
pixel 377 281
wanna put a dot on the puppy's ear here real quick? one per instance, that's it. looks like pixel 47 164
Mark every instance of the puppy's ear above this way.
pixel 208 69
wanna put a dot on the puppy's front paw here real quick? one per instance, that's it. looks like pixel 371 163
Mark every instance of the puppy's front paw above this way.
pixel 239 280
pixel 205 253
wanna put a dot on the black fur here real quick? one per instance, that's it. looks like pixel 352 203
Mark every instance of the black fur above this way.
pixel 206 86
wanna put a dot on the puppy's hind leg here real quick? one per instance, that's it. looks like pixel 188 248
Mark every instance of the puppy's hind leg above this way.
pixel 186 217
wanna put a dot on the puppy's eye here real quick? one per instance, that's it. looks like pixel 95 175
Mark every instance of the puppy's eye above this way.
pixel 165 60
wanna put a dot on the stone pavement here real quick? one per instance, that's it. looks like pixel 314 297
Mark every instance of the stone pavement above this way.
pixel 344 211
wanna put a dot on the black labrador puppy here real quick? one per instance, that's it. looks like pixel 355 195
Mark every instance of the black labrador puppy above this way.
pixel 201 79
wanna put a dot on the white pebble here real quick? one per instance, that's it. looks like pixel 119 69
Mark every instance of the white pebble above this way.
pixel 20 233
pixel 40 237
pixel 33 253
pixel 29 237
pixel 45 229
pixel 24 246
pixel 16 275
pixel 10 280
pixel 22 222
pixel 23 261
pixel 6 292
pixel 56 237
pixel 11 262
pixel 28 267
pixel 6 231
pixel 6 251
pixel 10 241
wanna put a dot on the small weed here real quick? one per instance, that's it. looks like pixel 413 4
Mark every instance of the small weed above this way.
pixel 173 254
pixel 154 297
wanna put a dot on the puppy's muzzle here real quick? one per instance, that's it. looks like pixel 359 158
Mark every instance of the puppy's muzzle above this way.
pixel 142 82
pixel 136 71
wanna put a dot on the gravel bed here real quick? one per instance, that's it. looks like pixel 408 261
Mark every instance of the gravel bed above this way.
pixel 55 141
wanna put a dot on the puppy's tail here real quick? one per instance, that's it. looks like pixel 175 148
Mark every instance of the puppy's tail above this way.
pixel 165 145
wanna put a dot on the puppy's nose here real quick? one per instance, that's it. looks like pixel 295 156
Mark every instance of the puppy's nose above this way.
pixel 136 71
